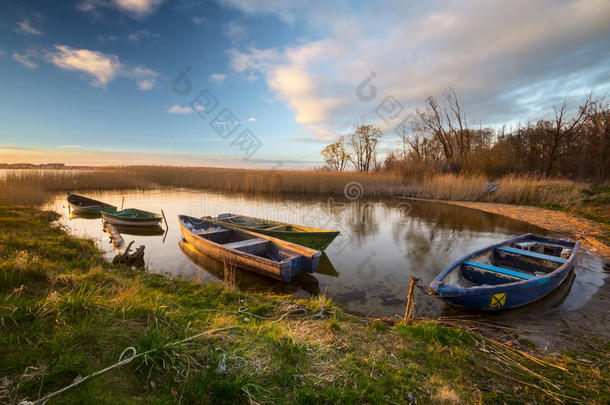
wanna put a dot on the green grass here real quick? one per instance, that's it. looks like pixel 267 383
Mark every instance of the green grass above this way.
pixel 65 312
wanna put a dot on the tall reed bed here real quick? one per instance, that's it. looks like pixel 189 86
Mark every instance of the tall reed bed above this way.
pixel 34 186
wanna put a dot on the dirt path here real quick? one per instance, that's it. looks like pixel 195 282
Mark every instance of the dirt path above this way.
pixel 589 233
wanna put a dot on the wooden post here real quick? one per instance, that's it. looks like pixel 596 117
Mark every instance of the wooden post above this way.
pixel 408 308
pixel 122 201
pixel 165 219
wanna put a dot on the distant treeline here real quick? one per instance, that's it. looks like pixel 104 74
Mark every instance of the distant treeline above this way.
pixel 439 139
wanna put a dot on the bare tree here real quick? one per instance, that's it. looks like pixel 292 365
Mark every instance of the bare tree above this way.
pixel 363 142
pixel 446 122
pixel 335 155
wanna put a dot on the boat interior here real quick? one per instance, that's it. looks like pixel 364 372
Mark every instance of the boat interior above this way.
pixel 237 240
pixel 517 261
pixel 252 223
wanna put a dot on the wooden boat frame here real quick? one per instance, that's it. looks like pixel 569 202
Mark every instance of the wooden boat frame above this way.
pixel 507 295
pixel 304 260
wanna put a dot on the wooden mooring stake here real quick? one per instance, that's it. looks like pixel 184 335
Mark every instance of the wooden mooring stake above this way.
pixel 410 302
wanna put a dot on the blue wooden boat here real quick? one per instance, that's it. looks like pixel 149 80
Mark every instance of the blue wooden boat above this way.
pixel 507 275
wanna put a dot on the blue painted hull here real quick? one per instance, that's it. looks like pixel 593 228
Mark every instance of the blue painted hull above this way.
pixel 507 295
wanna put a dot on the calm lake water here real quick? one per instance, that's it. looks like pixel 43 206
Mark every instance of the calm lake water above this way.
pixel 365 270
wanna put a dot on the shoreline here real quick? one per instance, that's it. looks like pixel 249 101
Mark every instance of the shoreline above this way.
pixel 588 232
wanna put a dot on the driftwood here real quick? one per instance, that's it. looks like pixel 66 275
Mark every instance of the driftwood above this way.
pixel 135 258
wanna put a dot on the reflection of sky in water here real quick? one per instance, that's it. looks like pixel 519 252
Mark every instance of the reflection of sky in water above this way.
pixel 380 246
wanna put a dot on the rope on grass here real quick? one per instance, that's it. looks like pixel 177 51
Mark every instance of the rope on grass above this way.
pixel 127 356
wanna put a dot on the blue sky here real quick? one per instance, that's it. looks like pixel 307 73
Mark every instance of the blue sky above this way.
pixel 90 81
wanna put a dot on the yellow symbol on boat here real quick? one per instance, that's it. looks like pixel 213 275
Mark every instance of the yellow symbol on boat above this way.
pixel 497 300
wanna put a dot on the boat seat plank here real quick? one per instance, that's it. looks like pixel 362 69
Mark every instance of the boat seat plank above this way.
pixel 247 242
pixel 532 254
pixel 500 270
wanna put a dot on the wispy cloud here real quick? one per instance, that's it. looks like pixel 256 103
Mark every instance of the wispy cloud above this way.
pixel 26 57
pixel 252 119
pixel 141 34
pixel 70 146
pixel 25 27
pixel 145 78
pixel 235 31
pixel 178 109
pixel 218 77
pixel 199 20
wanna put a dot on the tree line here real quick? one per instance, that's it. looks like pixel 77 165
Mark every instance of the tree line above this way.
pixel 440 138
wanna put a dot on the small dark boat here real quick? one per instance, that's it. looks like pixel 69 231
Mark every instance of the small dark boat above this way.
pixel 247 250
pixel 85 205
pixel 314 238
pixel 507 275
pixel 131 217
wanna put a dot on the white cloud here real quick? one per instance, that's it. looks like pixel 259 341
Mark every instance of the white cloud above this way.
pixel 134 8
pixel 236 32
pixel 100 68
pixel 177 109
pixel 138 35
pixel 25 27
pixel 485 51
pixel 199 20
pixel 252 119
pixel 287 10
pixel 26 57
pixel 218 77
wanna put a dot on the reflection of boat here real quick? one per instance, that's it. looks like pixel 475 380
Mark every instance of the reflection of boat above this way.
pixel 326 266
pixel 507 275
pixel 248 250
pixel 131 217
pixel 314 238
pixel 246 280
pixel 84 215
pixel 85 205
pixel 140 230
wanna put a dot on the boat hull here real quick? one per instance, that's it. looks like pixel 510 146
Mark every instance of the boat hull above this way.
pixel 307 261
pixel 314 238
pixel 503 296
pixel 114 218
pixel 85 205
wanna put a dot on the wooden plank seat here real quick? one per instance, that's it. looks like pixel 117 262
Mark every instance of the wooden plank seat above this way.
pixel 247 243
pixel 499 270
pixel 531 254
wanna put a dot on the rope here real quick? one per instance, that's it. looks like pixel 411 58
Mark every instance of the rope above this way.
pixel 123 359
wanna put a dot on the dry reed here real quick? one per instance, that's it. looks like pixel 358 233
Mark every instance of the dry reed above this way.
pixel 33 186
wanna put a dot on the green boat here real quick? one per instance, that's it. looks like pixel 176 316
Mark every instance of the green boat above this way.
pixel 314 238
pixel 131 217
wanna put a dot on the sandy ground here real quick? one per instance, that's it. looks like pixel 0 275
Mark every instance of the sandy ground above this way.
pixel 589 233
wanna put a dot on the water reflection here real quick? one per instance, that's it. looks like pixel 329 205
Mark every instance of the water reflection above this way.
pixel 366 269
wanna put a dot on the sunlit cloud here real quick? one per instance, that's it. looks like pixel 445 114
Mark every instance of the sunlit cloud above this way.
pixel 483 50
pixel 134 8
pixel 100 68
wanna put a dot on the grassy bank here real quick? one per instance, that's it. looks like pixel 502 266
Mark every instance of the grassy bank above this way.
pixel 65 313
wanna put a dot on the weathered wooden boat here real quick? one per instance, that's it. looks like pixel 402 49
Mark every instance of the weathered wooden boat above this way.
pixel 131 217
pixel 314 238
pixel 248 250
pixel 85 205
pixel 234 277
pixel 507 275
